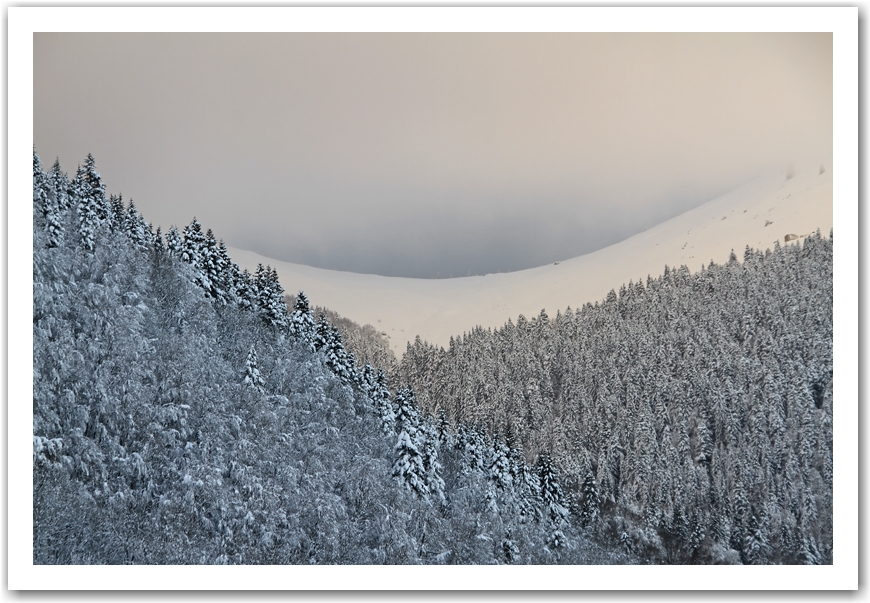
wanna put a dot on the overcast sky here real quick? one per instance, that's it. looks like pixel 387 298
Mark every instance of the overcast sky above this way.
pixel 429 154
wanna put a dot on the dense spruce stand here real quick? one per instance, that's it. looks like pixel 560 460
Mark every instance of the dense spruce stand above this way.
pixel 182 414
pixel 690 417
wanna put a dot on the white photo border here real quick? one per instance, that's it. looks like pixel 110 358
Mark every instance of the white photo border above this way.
pixel 22 22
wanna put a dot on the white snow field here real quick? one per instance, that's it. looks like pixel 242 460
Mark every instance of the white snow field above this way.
pixel 759 213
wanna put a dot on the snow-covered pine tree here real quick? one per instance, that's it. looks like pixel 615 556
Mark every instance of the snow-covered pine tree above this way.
pixel 117 213
pixel 809 552
pixel 53 221
pixel 365 380
pixel 228 274
pixel 253 379
pixel 59 183
pixel 527 486
pixel 553 499
pixel 270 297
pixel 444 436
pixel 302 325
pixel 40 192
pixel 45 198
pixel 97 190
pixel 87 222
pixel 174 242
pixel 157 242
pixel 429 439
pixel 136 228
pixel 322 334
pixel 509 547
pixel 340 362
pixel 327 340
pixel 194 244
pixel 91 208
pixel 589 509
pixel 383 406
pixel 245 289
pixel 260 286
pixel 407 418
pixel 755 542
pixel 471 446
pixel 408 467
pixel 211 266
pixel 499 468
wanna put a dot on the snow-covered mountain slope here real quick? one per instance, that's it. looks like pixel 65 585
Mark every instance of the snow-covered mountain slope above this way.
pixel 757 214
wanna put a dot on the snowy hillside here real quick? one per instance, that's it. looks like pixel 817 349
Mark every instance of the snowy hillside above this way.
pixel 181 415
pixel 757 214
pixel 697 408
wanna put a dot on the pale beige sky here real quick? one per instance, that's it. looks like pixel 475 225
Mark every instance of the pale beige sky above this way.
pixel 425 154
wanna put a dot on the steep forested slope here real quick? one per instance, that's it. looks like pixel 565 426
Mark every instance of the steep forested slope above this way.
pixel 369 346
pixel 182 415
pixel 691 415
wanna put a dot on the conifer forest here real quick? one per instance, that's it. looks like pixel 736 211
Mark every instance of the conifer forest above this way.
pixel 184 414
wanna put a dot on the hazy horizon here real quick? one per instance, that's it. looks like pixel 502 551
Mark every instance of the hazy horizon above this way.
pixel 429 154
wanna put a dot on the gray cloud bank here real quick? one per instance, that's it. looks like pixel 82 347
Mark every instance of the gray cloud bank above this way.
pixel 429 154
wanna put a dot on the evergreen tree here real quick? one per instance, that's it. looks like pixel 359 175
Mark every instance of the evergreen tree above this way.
pixel 270 297
pixel 253 379
pixel 302 325
pixel 755 545
pixel 227 275
pixel 46 198
pixel 429 453
pixel 499 468
pixel 553 499
pixel 92 208
pixel 40 187
pixel 117 213
pixel 157 242
pixel 405 411
pixel 471 445
pixel 136 228
pixel 327 340
pixel 174 242
pixel 193 246
pixel 590 508
pixel 59 183
pixel 409 467
pixel 245 290
pixel 212 268
pixel 509 547
pixel 383 406
pixel 53 223
pixel 443 429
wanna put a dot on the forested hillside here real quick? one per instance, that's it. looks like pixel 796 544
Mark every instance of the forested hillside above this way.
pixel 181 414
pixel 369 346
pixel 691 415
